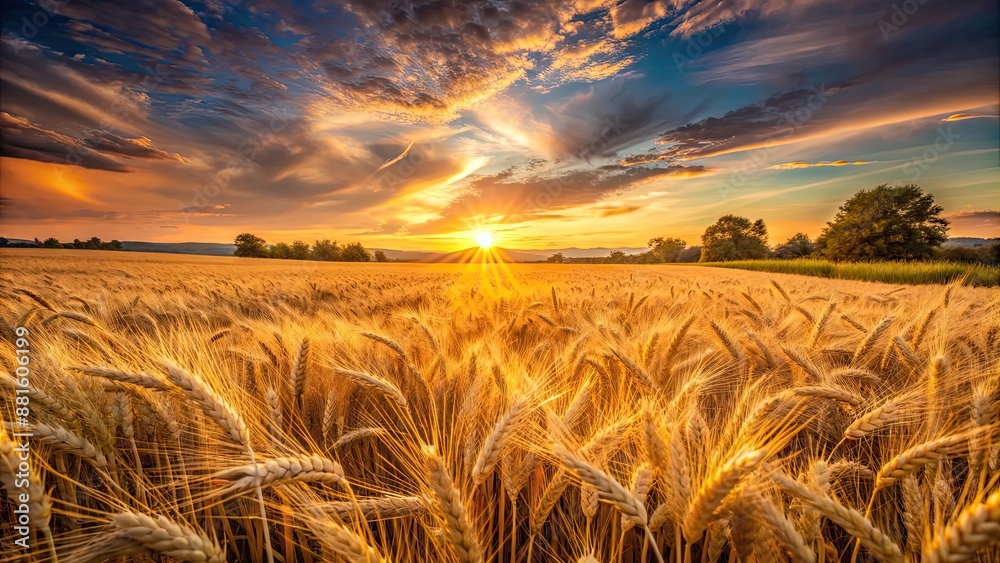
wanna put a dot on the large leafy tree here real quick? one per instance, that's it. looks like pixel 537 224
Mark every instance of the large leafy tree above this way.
pixel 734 238
pixel 666 249
pixel 885 223
pixel 251 246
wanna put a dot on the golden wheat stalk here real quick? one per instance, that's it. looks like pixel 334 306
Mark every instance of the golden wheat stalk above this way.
pixel 64 440
pixel 160 535
pixel 872 338
pixel 851 520
pixel 299 372
pixel 608 489
pixel 376 509
pixel 458 530
pixel 141 379
pixel 785 531
pixel 374 382
pixel 504 428
pixel 301 469
pixel 976 528
pixel 872 421
pixel 923 454
pixel 715 489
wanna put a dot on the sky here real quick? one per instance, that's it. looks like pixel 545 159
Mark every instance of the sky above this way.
pixel 414 125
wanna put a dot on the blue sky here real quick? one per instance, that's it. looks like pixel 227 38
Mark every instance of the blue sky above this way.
pixel 414 125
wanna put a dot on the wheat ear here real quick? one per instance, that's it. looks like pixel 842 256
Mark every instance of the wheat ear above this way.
pixel 227 419
pixel 794 544
pixel 141 379
pixel 976 528
pixel 165 537
pixel 872 421
pixel 375 509
pixel 642 482
pixel 851 520
pixel 298 382
pixel 458 526
pixel 39 397
pixel 923 454
pixel 495 441
pixel 64 440
pixel 374 382
pixel 209 401
pixel 715 489
pixel 608 488
pixel 304 469
pixel 871 338
pixel 13 478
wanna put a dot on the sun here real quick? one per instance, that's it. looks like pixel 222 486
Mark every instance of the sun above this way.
pixel 485 239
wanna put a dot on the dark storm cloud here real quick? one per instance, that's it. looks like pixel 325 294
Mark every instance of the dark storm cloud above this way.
pixel 22 139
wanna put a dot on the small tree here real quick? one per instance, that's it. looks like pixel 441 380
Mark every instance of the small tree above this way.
pixel 689 254
pixel 300 250
pixel 94 243
pixel 4 241
pixel 115 244
pixel 51 243
pixel 885 223
pixel 556 258
pixel 798 246
pixel 734 238
pixel 666 249
pixel 354 252
pixel 380 256
pixel 616 257
pixel 326 250
pixel 251 246
pixel 281 251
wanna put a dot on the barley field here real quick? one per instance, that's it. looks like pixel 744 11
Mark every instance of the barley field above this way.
pixel 217 409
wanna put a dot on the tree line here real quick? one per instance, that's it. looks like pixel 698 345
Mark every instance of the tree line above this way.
pixel 252 246
pixel 94 243
pixel 885 223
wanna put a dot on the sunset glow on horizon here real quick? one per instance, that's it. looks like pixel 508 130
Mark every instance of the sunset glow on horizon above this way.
pixel 581 124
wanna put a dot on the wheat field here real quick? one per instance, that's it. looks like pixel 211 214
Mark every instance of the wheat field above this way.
pixel 218 409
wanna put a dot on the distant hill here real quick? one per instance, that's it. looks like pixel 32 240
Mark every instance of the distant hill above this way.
pixel 574 252
pixel 968 241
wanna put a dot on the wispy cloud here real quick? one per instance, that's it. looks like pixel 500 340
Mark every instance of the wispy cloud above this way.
pixel 802 164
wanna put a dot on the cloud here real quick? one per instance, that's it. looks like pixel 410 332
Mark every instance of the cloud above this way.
pixel 22 139
pixel 975 222
pixel 774 120
pixel 534 196
pixel 964 116
pixel 141 147
pixel 612 211
pixel 802 164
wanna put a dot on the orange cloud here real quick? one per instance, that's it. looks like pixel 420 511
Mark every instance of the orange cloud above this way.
pixel 802 164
